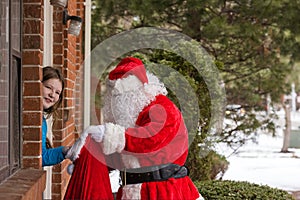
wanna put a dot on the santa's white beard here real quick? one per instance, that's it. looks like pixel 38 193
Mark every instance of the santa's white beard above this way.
pixel 124 108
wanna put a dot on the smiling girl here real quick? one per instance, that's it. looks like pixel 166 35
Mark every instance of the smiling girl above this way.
pixel 53 86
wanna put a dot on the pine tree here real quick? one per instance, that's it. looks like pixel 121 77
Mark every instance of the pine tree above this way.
pixel 254 44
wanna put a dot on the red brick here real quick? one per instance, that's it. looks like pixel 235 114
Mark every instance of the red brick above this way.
pixel 32 11
pixel 56 178
pixel 72 74
pixel 57 37
pixel 32 26
pixel 32 162
pixel 58 59
pixel 71 60
pixel 32 134
pixel 32 89
pixel 69 83
pixel 32 57
pixel 58 49
pixel 68 103
pixel 32 104
pixel 31 1
pixel 25 184
pixel 32 118
pixel 70 122
pixel 69 139
pixel 58 15
pixel 69 93
pixel 58 9
pixel 57 137
pixel 32 42
pixel 42 28
pixel 58 124
pixel 32 73
pixel 31 149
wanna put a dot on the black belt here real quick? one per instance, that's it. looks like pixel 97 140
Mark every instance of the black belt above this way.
pixel 153 173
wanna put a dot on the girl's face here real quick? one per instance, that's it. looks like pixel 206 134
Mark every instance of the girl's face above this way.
pixel 51 92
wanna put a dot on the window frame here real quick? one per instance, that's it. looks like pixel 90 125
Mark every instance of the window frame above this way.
pixel 12 32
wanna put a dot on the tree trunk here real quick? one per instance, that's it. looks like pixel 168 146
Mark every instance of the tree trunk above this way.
pixel 287 130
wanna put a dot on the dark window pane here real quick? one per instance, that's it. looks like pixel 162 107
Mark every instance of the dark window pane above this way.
pixel 15 114
pixel 10 84
pixel 4 89
pixel 15 25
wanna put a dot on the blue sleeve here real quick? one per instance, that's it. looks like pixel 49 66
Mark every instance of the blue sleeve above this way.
pixel 50 156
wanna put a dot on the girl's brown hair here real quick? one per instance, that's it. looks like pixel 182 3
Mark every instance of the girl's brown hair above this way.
pixel 49 73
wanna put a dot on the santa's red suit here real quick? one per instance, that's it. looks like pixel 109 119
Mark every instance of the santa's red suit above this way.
pixel 146 131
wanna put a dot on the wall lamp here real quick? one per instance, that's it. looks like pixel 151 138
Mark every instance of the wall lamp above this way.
pixel 75 23
pixel 59 3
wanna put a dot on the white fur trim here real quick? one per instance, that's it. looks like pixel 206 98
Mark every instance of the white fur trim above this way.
pixel 96 133
pixel 114 177
pixel 127 84
pixel 132 191
pixel 74 151
pixel 114 138
pixel 154 87
pixel 130 161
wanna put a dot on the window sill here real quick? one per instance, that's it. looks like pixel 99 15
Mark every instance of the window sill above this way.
pixel 24 184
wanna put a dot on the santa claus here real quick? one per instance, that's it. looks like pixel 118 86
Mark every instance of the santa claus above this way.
pixel 143 135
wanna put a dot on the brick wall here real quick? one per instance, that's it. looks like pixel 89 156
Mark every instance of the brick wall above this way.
pixel 68 57
pixel 32 60
pixel 79 69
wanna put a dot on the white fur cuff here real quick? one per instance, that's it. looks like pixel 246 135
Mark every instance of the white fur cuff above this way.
pixel 114 138
pixel 74 151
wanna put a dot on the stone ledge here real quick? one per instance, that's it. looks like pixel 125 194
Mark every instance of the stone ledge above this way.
pixel 24 184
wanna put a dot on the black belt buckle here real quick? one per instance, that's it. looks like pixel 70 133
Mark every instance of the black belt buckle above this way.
pixel 183 171
pixel 123 177
pixel 169 171
pixel 156 175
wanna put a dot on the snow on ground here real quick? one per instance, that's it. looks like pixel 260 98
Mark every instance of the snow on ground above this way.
pixel 263 164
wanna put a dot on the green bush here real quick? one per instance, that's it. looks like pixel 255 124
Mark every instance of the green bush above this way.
pixel 212 165
pixel 239 190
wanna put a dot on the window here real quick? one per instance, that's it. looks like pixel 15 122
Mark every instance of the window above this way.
pixel 10 84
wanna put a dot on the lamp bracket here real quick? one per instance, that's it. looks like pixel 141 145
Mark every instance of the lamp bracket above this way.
pixel 67 17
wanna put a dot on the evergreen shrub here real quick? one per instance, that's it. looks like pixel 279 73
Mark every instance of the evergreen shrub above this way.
pixel 239 190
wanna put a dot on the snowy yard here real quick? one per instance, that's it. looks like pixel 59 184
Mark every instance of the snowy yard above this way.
pixel 262 163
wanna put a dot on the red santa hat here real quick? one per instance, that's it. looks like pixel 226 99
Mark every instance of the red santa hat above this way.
pixel 129 66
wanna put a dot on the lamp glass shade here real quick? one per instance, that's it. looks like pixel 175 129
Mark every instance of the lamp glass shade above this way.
pixel 60 3
pixel 74 27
